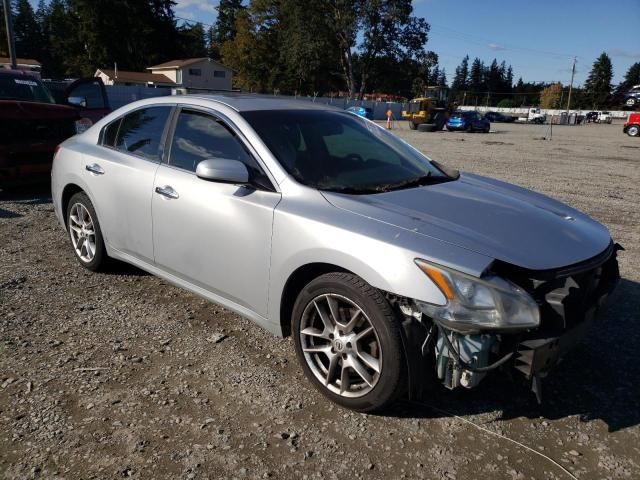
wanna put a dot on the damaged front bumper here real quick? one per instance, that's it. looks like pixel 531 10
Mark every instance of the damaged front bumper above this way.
pixel 569 300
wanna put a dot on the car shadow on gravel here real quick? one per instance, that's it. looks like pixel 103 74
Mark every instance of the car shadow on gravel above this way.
pixel 597 380
pixel 35 194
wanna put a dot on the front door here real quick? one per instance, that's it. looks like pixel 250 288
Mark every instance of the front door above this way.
pixel 214 235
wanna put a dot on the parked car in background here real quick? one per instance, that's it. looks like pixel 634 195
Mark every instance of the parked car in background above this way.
pixel 385 267
pixel 468 121
pixel 603 117
pixel 364 112
pixel 590 117
pixel 632 97
pixel 534 115
pixel 499 117
pixel 34 123
pixel 632 126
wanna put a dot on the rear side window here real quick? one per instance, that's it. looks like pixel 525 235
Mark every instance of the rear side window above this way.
pixel 109 133
pixel 141 132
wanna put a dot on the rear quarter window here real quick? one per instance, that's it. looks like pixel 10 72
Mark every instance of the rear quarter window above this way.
pixel 141 132
pixel 109 133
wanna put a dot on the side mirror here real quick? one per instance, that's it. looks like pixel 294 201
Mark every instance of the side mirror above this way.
pixel 77 101
pixel 222 170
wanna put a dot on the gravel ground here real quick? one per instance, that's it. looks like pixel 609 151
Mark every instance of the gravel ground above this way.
pixel 121 375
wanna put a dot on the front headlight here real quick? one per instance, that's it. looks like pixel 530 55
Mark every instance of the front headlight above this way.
pixel 476 304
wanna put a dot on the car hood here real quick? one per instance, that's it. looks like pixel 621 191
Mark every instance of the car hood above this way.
pixel 492 218
pixel 22 110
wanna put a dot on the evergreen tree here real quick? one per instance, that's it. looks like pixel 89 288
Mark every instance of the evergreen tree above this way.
pixel 442 78
pixel 27 32
pixel 193 41
pixel 225 27
pixel 461 78
pixel 476 76
pixel 509 79
pixel 598 84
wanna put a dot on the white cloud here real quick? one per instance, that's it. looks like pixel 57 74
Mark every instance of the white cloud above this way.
pixel 495 46
pixel 202 5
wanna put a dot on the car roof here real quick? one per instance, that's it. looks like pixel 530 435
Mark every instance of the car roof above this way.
pixel 17 73
pixel 245 102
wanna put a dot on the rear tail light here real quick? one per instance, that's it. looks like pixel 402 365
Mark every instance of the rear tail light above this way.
pixel 55 152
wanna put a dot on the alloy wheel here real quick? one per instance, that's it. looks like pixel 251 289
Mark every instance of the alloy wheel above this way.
pixel 340 345
pixel 82 232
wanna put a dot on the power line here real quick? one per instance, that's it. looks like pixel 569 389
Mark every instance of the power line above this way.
pixel 189 20
pixel 475 39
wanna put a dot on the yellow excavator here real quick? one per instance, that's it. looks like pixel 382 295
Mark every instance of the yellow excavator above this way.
pixel 430 112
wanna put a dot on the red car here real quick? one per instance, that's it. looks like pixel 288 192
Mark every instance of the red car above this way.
pixel 632 127
pixel 32 123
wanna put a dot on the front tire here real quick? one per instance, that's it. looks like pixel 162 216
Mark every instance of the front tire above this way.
pixel 413 126
pixel 84 232
pixel 347 339
pixel 633 131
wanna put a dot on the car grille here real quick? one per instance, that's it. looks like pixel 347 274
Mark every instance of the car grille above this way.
pixel 566 295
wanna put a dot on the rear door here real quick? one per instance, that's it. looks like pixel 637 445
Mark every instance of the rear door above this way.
pixel 120 178
pixel 214 235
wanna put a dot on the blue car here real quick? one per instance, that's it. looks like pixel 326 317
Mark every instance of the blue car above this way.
pixel 362 112
pixel 468 121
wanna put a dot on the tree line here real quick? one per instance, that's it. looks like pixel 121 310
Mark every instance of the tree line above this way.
pixel 316 47
pixel 493 85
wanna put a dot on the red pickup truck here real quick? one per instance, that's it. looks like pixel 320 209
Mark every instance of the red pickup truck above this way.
pixel 33 122
pixel 632 127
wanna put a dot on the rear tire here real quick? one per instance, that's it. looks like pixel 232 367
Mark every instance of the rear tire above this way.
pixel 84 233
pixel 440 120
pixel 426 127
pixel 347 339
pixel 412 126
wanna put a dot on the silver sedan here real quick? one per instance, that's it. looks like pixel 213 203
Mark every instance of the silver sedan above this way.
pixel 384 266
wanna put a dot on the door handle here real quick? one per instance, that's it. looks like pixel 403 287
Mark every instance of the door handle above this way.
pixel 167 191
pixel 95 169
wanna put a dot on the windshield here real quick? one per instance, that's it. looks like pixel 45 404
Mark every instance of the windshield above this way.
pixel 24 88
pixel 341 152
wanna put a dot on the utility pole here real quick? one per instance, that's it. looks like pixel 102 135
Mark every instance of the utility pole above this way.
pixel 573 72
pixel 6 5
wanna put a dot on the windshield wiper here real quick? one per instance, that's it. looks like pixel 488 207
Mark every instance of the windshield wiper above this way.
pixel 411 182
pixel 351 190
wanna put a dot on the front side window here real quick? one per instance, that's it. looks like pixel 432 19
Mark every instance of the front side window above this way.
pixel 91 92
pixel 338 151
pixel 141 132
pixel 199 136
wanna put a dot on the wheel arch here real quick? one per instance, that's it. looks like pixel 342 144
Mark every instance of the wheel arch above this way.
pixel 298 279
pixel 67 192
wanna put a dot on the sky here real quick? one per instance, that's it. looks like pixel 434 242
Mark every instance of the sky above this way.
pixel 538 38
